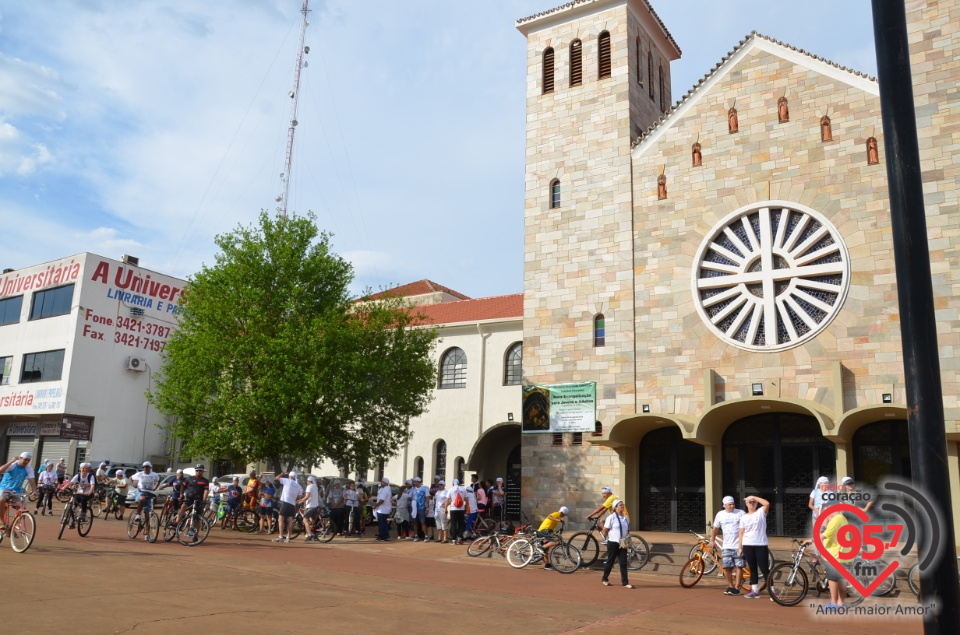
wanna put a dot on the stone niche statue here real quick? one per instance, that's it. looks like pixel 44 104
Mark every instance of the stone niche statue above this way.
pixel 873 152
pixel 661 187
pixel 783 110
pixel 826 130
pixel 697 155
pixel 732 121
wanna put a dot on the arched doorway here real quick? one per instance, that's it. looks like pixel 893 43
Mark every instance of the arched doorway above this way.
pixel 777 456
pixel 671 482
pixel 881 449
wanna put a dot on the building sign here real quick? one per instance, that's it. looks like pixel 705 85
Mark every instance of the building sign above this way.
pixel 76 427
pixel 50 428
pixel 22 430
pixel 560 408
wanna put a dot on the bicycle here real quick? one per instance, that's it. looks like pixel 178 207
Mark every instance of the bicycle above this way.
pixel 564 558
pixel 790 581
pixel 483 525
pixel 718 543
pixel 638 553
pixel 498 542
pixel 913 578
pixel 65 492
pixel 193 528
pixel 146 518
pixel 73 516
pixel 323 529
pixel 22 529
pixel 98 500
pixel 709 558
pixel 115 504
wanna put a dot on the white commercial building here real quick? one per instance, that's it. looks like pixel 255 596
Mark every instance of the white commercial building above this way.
pixel 80 338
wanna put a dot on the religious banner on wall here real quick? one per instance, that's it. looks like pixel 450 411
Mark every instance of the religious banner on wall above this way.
pixel 560 408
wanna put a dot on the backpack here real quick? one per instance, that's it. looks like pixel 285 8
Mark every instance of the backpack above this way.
pixel 458 499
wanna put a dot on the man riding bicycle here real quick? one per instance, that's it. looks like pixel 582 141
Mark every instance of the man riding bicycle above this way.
pixel 194 493
pixel 547 533
pixel 86 484
pixel 15 472
pixel 146 482
pixel 608 500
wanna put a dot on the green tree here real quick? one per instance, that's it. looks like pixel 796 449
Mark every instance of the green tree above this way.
pixel 274 361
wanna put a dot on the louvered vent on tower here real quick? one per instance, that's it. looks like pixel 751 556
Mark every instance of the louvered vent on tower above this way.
pixel 604 45
pixel 548 71
pixel 576 63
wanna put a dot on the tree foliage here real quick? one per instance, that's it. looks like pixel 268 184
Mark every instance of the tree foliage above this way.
pixel 274 361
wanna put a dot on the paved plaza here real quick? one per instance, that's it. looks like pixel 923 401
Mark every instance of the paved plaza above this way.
pixel 241 583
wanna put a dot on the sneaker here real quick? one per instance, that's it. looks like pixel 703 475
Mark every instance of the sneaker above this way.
pixel 416 540
pixel 729 591
pixel 734 591
pixel 278 539
pixel 286 539
pixel 137 518
pixel 831 607
pixel 147 538
pixel 547 567
pixel 752 595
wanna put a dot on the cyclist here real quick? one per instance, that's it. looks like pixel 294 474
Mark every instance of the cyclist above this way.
pixel 605 506
pixel 146 482
pixel 288 502
pixel 728 520
pixel 86 484
pixel 48 485
pixel 175 485
pixel 194 493
pixel 311 502
pixel 234 498
pixel 547 533
pixel 15 472
pixel 120 486
pixel 252 493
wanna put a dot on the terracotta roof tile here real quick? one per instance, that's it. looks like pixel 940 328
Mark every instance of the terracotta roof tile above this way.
pixel 420 287
pixel 475 310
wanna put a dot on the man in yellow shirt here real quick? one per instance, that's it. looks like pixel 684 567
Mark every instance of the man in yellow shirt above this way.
pixel 551 537
pixel 608 500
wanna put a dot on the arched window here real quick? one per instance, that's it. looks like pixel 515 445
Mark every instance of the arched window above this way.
pixel 603 59
pixel 599 331
pixel 453 369
pixel 639 67
pixel 458 469
pixel 554 193
pixel 513 365
pixel 663 93
pixel 576 63
pixel 650 73
pixel 548 71
pixel 440 460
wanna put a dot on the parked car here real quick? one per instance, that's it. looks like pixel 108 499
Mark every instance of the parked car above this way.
pixel 163 491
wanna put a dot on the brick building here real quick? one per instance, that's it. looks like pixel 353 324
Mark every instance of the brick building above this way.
pixel 734 247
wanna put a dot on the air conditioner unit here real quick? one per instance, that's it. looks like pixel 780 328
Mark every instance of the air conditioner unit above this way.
pixel 138 364
pixel 136 311
pixel 130 260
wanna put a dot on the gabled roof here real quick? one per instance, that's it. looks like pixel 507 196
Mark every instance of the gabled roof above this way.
pixel 420 287
pixel 476 310
pixel 575 3
pixel 751 41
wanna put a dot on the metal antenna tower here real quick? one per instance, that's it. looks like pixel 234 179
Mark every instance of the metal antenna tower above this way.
pixel 294 100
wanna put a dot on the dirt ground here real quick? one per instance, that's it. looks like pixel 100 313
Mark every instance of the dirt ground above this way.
pixel 244 583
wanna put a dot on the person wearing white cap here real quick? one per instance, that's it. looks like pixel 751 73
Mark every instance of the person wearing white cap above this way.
pixel 120 487
pixel 146 482
pixel 605 506
pixel 728 520
pixel 86 484
pixel 546 531
pixel 48 486
pixel 288 502
pixel 382 508
pixel 311 503
pixel 863 502
pixel 440 511
pixel 616 530
pixel 816 496
pixel 498 501
pixel 418 508
pixel 15 472
pixel 457 506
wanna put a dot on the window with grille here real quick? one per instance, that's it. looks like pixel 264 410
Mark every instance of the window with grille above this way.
pixel 576 63
pixel 650 73
pixel 663 93
pixel 577 438
pixel 548 71
pixel 598 429
pixel 555 194
pixel 513 368
pixel 453 369
pixel 558 439
pixel 604 56
pixel 599 331
pixel 440 461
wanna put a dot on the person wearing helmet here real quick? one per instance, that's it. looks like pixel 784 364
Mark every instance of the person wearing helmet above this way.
pixel 15 472
pixel 194 493
pixel 547 532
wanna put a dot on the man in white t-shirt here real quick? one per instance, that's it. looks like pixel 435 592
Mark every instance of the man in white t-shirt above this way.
pixel 288 502
pixel 311 507
pixel 382 509
pixel 728 520
pixel 458 516
pixel 440 510
pixel 146 482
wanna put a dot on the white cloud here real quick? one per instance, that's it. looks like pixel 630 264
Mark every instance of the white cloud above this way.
pixel 28 164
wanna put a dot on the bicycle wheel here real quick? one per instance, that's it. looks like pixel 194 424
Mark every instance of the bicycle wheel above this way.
pixel 22 531
pixel 246 521
pixel 520 553
pixel 788 585
pixel 484 526
pixel 133 527
pixel 745 580
pixel 169 528
pixel 565 558
pixel 638 553
pixel 63 496
pixel 298 528
pixel 118 510
pixel 153 532
pixel 84 523
pixel 691 572
pixel 588 546
pixel 709 564
pixel 95 506
pixel 64 518
pixel 913 579
pixel 201 528
pixel 479 546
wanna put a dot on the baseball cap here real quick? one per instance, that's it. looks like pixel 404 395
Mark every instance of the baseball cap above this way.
pixel 417 479
pixel 823 479
pixel 216 479
pixel 456 482
pixel 847 480
pixel 292 474
pixel 385 480
pixel 119 473
pixel 408 482
pixel 499 479
pixel 26 455
pixel 179 471
pixel 442 482
pixel 606 490
pixel 564 510
pixel 311 479
pixel 469 488
pixel 729 499
pixel 103 465
pixel 147 464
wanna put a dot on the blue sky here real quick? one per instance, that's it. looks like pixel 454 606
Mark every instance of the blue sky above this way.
pixel 148 128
